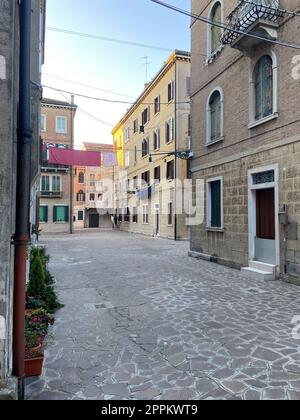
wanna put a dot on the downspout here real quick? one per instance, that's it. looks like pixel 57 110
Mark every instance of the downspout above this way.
pixel 175 158
pixel 71 171
pixel 21 237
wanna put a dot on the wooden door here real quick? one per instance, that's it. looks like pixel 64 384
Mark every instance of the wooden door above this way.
pixel 265 214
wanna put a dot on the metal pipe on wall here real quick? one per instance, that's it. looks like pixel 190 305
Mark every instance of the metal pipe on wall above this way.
pixel 21 237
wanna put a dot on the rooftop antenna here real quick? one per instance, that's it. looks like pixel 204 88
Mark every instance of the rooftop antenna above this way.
pixel 146 64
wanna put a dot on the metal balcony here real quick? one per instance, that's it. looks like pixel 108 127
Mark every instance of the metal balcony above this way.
pixel 257 17
pixel 51 194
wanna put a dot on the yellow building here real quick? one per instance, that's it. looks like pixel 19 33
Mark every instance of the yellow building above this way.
pixel 153 141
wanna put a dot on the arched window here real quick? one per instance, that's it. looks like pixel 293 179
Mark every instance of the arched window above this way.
pixel 263 87
pixel 215 32
pixel 81 178
pixel 215 116
pixel 80 196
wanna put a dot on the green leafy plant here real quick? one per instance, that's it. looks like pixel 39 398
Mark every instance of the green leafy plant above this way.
pixel 37 277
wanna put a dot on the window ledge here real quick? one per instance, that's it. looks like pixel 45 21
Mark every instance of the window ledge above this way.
pixel 219 140
pixel 212 229
pixel 263 120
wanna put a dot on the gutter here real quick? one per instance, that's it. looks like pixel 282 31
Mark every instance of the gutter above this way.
pixel 21 237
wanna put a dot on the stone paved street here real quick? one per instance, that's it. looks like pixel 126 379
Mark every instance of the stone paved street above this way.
pixel 142 320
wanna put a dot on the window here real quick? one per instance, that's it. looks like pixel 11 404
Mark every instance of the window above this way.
pixel 61 125
pixel 56 183
pixel 51 184
pixel 127 215
pixel 156 139
pixel 146 177
pixel 170 214
pixel 135 182
pixel 263 85
pixel 127 134
pixel 170 170
pixel 43 123
pixel 215 203
pixel 92 180
pixel 146 115
pixel 127 159
pixel 81 178
pixel 157 105
pixel 60 214
pixel 170 130
pixel 45 187
pixel 135 154
pixel 171 91
pixel 157 174
pixel 145 215
pixel 145 147
pixel 215 116
pixel 135 215
pixel 80 216
pixel 43 214
pixel 92 197
pixel 214 36
pixel 80 196
pixel 100 197
pixel 135 126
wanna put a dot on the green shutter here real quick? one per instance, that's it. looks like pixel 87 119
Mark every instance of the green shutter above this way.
pixel 66 214
pixel 54 214
pixel 43 214
pixel 46 214
pixel 215 191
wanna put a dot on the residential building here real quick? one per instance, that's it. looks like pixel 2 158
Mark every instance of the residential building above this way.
pixel 9 106
pixel 56 195
pixel 92 188
pixel 246 132
pixel 150 136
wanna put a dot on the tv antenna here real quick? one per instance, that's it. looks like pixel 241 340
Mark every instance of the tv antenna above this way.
pixel 146 64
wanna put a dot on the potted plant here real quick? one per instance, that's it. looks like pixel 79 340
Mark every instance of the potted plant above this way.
pixel 34 356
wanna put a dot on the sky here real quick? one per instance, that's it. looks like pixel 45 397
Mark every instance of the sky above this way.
pixel 107 67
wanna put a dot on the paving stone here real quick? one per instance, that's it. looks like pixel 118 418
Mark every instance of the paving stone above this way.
pixel 252 395
pixel 293 395
pixel 274 394
pixel 147 395
pixel 121 390
pixel 235 387
pixel 266 354
pixel 178 395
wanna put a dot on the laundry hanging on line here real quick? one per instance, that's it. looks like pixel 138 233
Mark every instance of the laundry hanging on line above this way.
pixel 60 156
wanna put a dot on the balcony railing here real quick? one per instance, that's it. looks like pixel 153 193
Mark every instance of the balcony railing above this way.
pixel 51 194
pixel 257 17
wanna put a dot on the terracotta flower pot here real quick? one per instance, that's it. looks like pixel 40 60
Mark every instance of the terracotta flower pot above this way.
pixel 34 367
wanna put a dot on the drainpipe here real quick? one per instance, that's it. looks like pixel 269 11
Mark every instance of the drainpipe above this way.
pixel 21 237
pixel 71 171
pixel 175 160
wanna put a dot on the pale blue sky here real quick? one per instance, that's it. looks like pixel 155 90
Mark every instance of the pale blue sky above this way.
pixel 107 65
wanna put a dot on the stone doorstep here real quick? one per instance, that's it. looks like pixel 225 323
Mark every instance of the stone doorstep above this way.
pixel 254 273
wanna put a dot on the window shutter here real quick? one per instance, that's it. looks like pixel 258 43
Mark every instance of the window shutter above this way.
pixel 54 214
pixel 66 214
pixel 46 214
pixel 215 190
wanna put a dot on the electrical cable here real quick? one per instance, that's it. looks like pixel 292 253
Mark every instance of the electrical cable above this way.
pixel 88 86
pixel 104 38
pixel 107 100
pixel 226 27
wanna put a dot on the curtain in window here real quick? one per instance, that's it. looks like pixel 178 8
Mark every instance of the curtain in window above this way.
pixel 216 16
pixel 264 88
pixel 215 116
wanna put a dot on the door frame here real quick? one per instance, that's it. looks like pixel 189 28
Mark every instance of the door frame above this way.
pixel 252 188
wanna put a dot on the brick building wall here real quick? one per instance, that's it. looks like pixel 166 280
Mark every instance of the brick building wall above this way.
pixel 274 142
